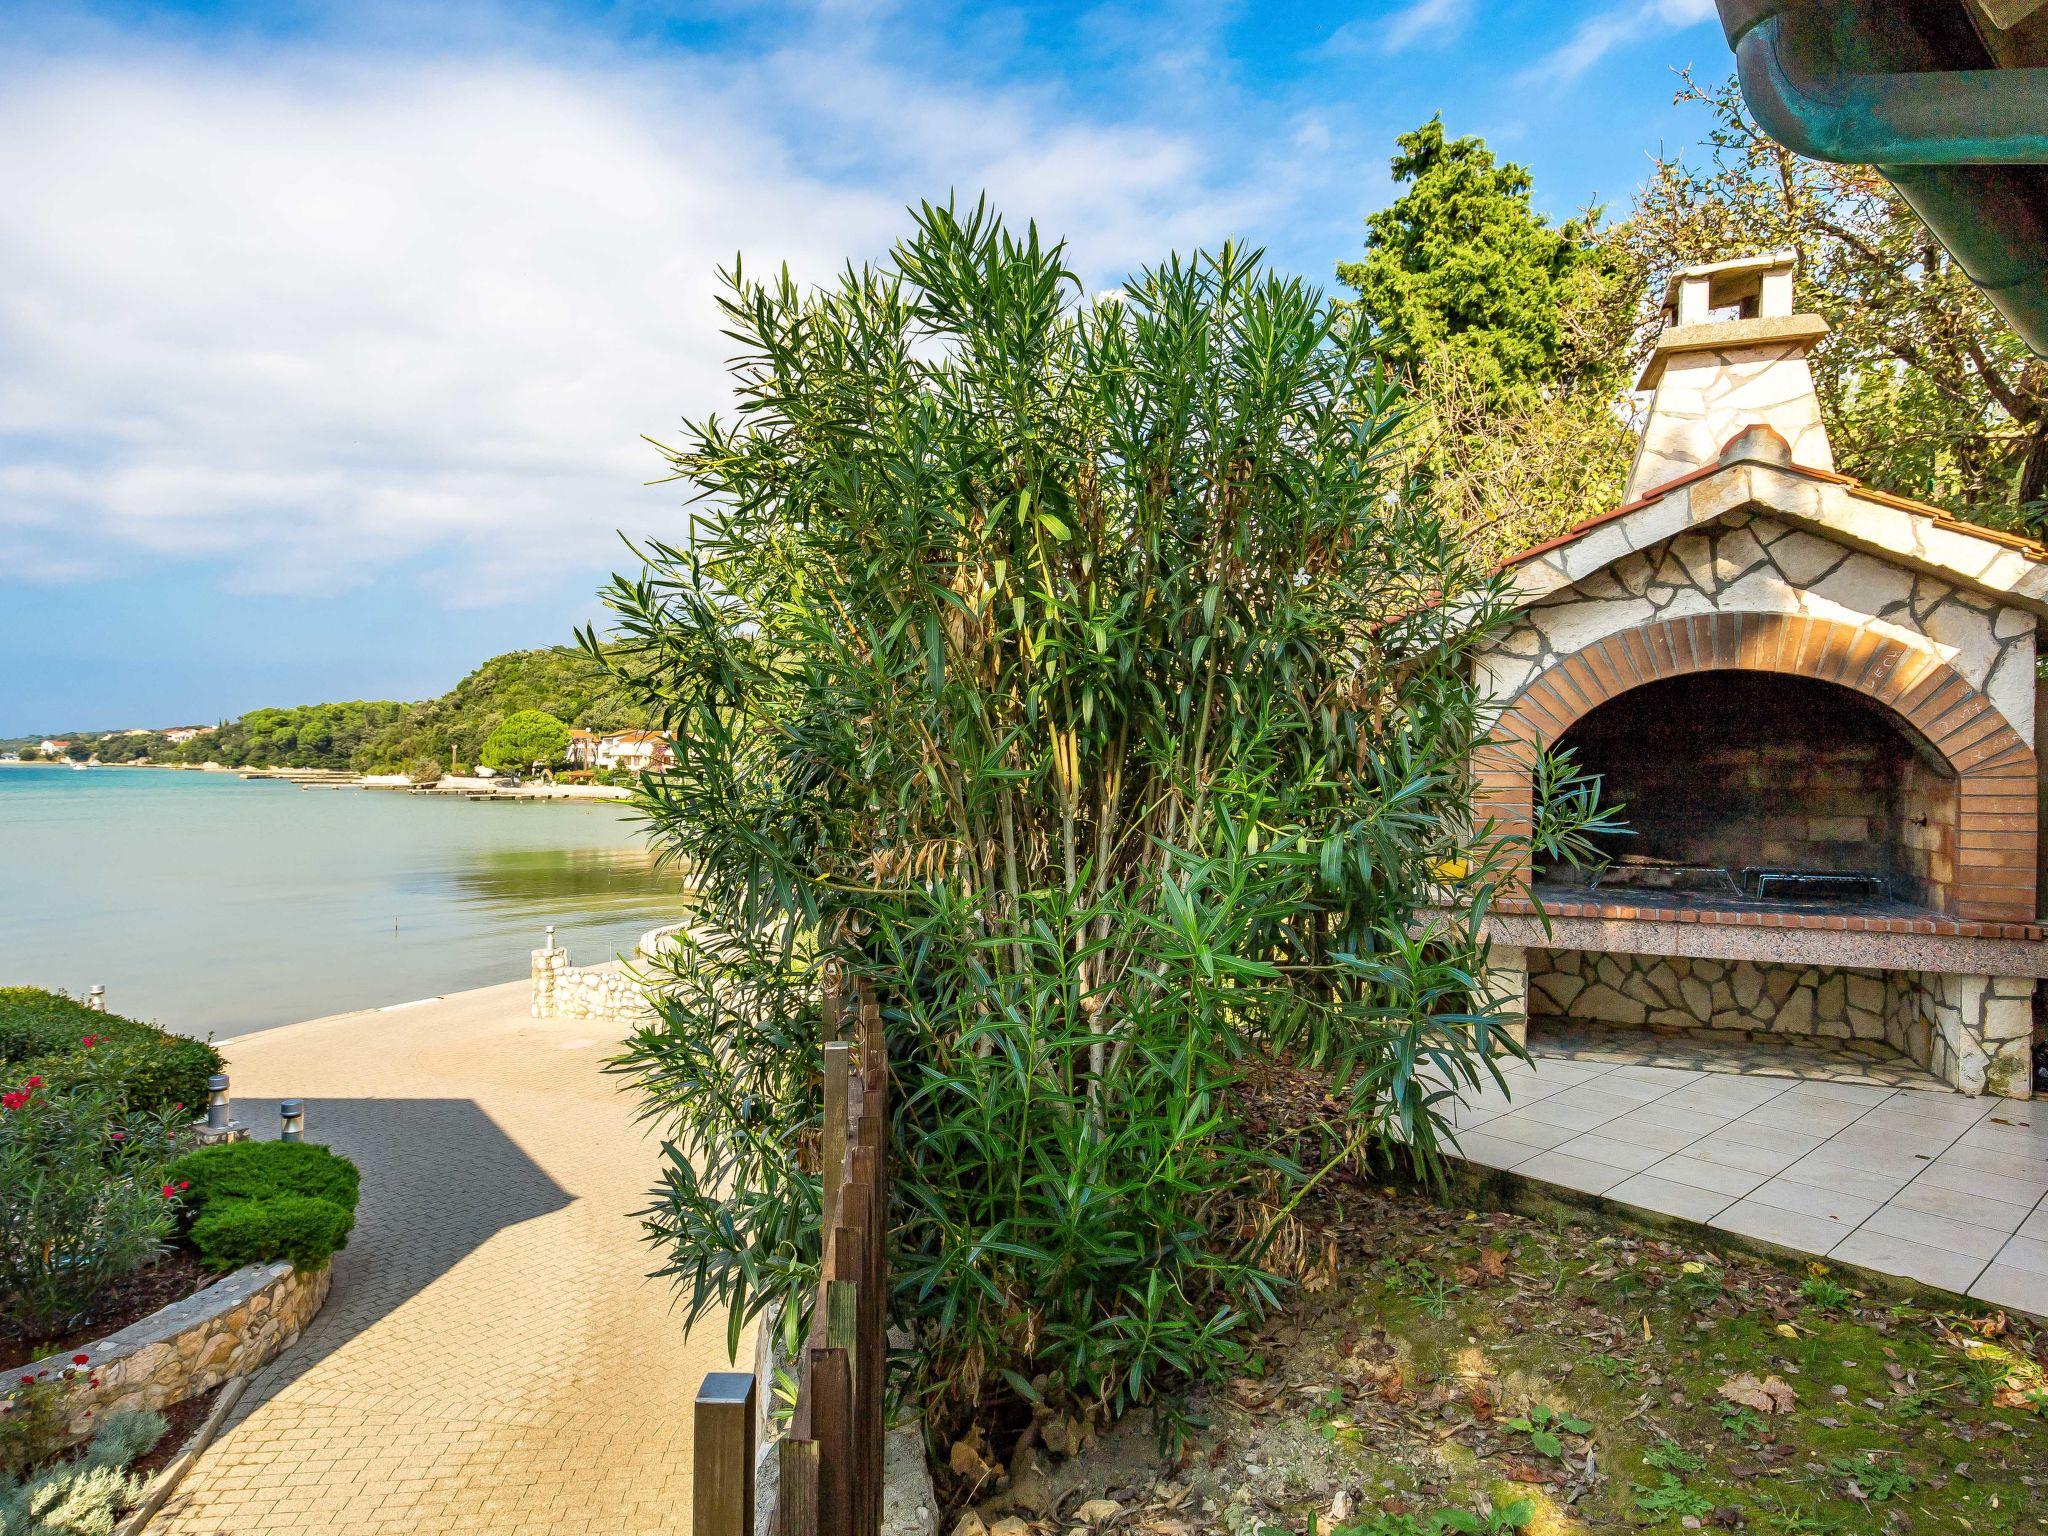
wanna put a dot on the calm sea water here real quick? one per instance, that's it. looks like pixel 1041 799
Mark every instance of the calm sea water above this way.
pixel 214 904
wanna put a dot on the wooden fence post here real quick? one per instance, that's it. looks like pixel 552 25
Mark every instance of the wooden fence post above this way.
pixel 831 1395
pixel 722 1491
pixel 832 1144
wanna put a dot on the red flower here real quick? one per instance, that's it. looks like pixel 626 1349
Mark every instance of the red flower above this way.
pixel 31 1082
pixel 80 1359
pixel 169 1191
pixel 118 1135
pixel 28 1381
pixel 89 1041
pixel 183 1185
pixel 13 1101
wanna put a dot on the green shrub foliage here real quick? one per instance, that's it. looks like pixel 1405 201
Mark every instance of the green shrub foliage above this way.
pixel 258 1170
pixel 47 1035
pixel 1076 671
pixel 529 737
pixel 302 1228
pixel 85 1200
pixel 255 1201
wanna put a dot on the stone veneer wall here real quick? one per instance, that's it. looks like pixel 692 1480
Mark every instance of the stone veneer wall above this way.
pixel 1676 992
pixel 1981 1027
pixel 605 994
pixel 1973 1032
pixel 191 1346
pixel 1755 563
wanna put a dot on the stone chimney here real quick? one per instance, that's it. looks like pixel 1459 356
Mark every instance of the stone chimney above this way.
pixel 1715 376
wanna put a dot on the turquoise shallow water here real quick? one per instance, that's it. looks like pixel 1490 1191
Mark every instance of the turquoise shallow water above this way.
pixel 215 905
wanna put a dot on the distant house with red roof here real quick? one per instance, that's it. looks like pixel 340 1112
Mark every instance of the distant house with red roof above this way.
pixel 632 751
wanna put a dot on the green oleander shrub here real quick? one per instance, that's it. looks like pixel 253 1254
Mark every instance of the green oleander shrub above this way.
pixel 48 1035
pixel 254 1201
pixel 1074 667
pixel 83 1200
pixel 302 1228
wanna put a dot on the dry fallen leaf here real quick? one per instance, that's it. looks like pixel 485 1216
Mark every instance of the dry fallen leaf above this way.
pixel 1767 1396
pixel 967 1461
pixel 1095 1511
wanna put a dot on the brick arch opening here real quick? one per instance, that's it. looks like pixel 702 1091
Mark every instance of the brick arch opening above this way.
pixel 1993 766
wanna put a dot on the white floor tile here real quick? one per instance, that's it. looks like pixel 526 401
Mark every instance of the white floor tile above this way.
pixel 1809 1117
pixel 1739 1150
pixel 1916 1261
pixel 1491 1151
pixel 1843 1210
pixel 2022 1289
pixel 1536 1135
pixel 1670 1129
pixel 1935 1231
pixel 1598 1147
pixel 1560 1110
pixel 1670 1197
pixel 1721 1178
pixel 1828 1170
pixel 2025 1253
pixel 1949 1108
pixel 2006 1164
pixel 1866 1094
pixel 1974 1181
pixel 1959 1205
pixel 1573 1172
pixel 1788 1229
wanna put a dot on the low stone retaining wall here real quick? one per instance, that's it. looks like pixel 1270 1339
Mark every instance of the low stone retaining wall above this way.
pixel 224 1331
pixel 606 994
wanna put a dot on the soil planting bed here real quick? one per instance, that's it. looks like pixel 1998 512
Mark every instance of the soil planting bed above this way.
pixel 128 1300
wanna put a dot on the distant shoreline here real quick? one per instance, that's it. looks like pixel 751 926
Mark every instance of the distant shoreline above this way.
pixel 453 787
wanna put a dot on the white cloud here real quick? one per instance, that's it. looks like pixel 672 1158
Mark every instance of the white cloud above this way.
pixel 1420 23
pixel 1604 31
pixel 1428 22
pixel 314 316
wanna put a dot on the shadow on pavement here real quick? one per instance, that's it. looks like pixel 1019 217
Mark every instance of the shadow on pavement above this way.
pixel 439 1180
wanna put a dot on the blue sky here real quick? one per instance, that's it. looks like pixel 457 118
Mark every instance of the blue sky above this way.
pixel 328 334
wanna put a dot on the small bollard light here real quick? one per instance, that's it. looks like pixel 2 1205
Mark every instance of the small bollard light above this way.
pixel 551 935
pixel 217 1102
pixel 96 999
pixel 292 1120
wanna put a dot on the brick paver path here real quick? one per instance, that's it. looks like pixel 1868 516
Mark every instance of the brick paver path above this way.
pixel 492 1358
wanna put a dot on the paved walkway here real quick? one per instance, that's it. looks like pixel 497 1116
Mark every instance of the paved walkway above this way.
pixel 491 1358
pixel 1927 1184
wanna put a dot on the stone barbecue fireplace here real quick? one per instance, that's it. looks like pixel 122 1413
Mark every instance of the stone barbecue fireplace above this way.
pixel 1767 789
pixel 1816 704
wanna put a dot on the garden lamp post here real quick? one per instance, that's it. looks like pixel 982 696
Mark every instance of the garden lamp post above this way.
pixel 217 1102
pixel 291 1120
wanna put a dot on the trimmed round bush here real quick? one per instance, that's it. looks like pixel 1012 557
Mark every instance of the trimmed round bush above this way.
pixel 46 1035
pixel 255 1201
pixel 301 1228
pixel 260 1170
